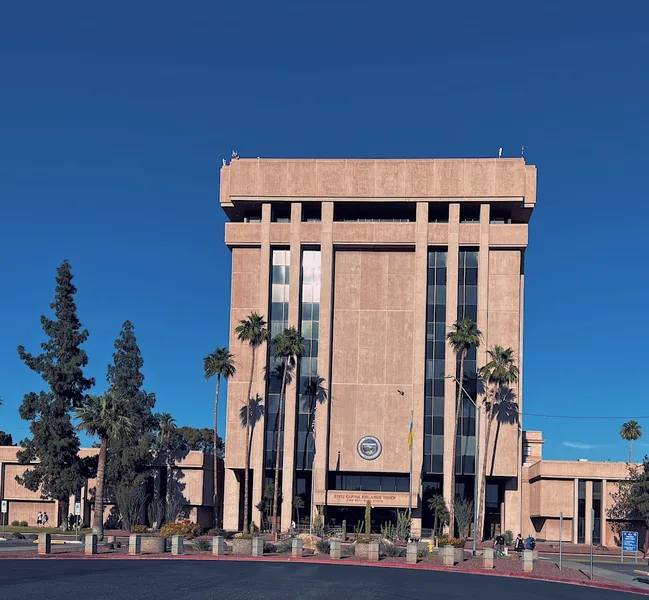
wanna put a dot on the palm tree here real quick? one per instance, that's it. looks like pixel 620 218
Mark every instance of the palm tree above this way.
pixel 253 413
pixel 631 431
pixel 315 393
pixel 219 363
pixel 437 506
pixel 464 336
pixel 298 503
pixel 166 429
pixel 498 374
pixel 254 331
pixel 288 348
pixel 101 416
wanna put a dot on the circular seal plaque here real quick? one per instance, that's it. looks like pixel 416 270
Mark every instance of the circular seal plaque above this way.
pixel 369 447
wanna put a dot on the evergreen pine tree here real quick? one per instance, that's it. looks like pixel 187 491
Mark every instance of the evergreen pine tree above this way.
pixel 60 472
pixel 129 455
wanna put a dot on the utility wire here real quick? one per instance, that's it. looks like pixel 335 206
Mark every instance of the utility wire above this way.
pixel 581 417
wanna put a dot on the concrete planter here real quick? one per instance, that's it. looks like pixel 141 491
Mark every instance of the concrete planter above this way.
pixel 153 545
pixel 361 550
pixel 452 556
pixel 242 547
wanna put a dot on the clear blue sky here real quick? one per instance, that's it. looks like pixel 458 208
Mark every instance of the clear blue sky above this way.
pixel 114 121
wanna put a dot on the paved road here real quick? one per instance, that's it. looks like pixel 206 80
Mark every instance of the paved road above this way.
pixel 614 565
pixel 187 580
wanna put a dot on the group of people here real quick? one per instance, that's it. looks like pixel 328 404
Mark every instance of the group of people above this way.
pixel 520 544
pixel 42 519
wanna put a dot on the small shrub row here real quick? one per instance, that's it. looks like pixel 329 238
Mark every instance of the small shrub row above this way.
pixel 323 546
pixel 455 542
pixel 392 551
pixel 185 528
pixel 202 544
pixel 139 529
pixel 284 545
pixel 19 524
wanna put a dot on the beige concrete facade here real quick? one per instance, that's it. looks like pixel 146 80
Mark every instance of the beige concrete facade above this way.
pixel 193 472
pixel 373 299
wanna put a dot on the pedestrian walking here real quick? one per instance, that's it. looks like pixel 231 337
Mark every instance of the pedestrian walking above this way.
pixel 39 519
pixel 46 519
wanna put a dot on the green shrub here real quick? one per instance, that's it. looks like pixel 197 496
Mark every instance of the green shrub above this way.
pixel 202 544
pixel 24 524
pixel 455 542
pixel 323 546
pixel 269 548
pixel 216 531
pixel 392 551
pixel 509 538
pixel 15 523
pixel 285 545
pixel 185 528
pixel 139 529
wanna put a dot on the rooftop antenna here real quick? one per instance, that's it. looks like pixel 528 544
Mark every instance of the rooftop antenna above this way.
pixel 500 152
pixel 235 154
pixel 522 150
pixel 223 163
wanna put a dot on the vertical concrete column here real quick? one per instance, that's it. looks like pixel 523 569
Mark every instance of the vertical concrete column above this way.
pixel 288 465
pixel 411 553
pixel 91 544
pixel 589 511
pixel 575 512
pixel 134 544
pixel 528 561
pixel 231 505
pixel 177 545
pixel 451 317
pixel 324 353
pixel 259 386
pixel 218 546
pixel 297 547
pixel 44 543
pixel 488 556
pixel 481 354
pixel 373 551
pixel 334 549
pixel 419 357
pixel 257 546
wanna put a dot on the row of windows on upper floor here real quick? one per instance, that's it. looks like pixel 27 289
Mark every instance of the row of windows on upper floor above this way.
pixel 384 212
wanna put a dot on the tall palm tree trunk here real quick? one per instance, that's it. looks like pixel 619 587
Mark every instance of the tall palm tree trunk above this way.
pixel 246 499
pixel 483 478
pixel 630 451
pixel 216 462
pixel 277 450
pixel 98 513
pixel 459 400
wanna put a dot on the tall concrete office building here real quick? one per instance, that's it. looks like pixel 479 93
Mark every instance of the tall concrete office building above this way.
pixel 373 261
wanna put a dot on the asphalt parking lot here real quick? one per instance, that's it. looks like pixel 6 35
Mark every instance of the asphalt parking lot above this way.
pixel 148 579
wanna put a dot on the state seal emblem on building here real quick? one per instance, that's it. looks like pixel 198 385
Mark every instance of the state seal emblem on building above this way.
pixel 369 447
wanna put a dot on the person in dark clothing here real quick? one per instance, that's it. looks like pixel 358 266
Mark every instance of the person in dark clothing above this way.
pixel 499 544
pixel 519 544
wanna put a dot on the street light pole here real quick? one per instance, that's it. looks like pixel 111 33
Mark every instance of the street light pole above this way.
pixel 476 504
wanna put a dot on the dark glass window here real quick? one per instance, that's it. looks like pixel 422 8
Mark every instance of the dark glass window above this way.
pixel 581 511
pixel 310 390
pixel 597 509
pixel 467 307
pixel 435 362
pixel 364 482
pixel 281 264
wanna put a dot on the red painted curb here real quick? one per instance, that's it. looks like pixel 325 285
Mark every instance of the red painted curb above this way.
pixel 346 562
